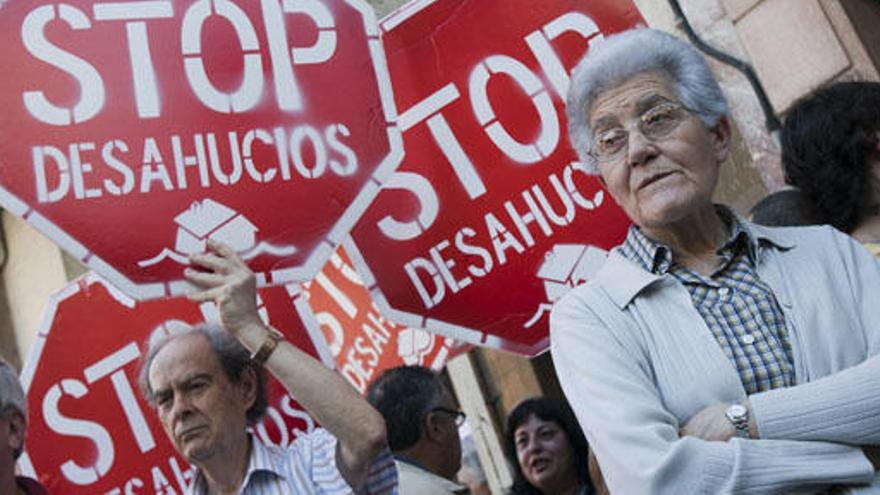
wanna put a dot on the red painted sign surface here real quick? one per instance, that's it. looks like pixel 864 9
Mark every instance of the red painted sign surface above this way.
pixel 337 308
pixel 490 218
pixel 134 131
pixel 90 432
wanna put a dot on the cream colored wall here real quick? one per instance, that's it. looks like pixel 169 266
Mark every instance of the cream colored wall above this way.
pixel 34 269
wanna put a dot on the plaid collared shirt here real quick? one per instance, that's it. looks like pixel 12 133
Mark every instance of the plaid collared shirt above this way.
pixel 308 466
pixel 740 310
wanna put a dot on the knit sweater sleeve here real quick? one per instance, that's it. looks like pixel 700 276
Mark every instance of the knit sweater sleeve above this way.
pixel 841 407
pixel 610 387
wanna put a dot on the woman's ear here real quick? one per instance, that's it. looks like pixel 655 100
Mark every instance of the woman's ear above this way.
pixel 721 137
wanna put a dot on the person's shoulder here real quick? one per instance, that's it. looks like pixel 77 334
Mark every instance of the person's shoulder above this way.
pixel 873 248
pixel 793 233
pixel 412 479
pixel 822 247
pixel 31 486
pixel 615 282
pixel 314 446
pixel 577 302
pixel 802 239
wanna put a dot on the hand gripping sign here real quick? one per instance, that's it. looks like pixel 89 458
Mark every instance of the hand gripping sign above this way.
pixel 134 131
pixel 338 310
pixel 90 432
pixel 490 215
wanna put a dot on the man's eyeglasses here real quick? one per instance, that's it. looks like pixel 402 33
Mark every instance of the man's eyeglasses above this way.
pixel 655 123
pixel 460 416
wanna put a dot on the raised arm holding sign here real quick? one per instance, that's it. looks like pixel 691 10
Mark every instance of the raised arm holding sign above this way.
pixel 207 387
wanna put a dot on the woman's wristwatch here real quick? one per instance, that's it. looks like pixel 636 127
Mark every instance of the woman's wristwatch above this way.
pixel 738 414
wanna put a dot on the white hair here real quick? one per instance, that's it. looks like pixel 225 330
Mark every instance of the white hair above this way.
pixel 624 55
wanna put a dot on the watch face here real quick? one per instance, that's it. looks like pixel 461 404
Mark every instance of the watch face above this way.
pixel 736 411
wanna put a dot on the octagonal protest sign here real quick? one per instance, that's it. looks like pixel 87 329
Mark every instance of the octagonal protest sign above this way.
pixel 132 132
pixel 89 430
pixel 338 311
pixel 490 218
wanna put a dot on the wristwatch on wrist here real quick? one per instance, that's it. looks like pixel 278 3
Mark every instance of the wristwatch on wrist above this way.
pixel 738 414
pixel 268 346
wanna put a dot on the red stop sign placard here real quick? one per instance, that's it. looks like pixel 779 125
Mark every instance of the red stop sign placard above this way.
pixel 134 131
pixel 90 432
pixel 489 218
pixel 338 310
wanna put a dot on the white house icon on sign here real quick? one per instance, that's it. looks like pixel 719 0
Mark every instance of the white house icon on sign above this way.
pixel 564 267
pixel 210 219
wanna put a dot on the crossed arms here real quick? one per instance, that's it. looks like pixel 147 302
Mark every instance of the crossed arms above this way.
pixel 811 436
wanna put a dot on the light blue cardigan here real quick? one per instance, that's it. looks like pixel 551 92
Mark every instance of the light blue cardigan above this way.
pixel 636 361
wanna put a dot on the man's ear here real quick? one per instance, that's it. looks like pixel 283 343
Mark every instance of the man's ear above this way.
pixel 721 139
pixel 17 427
pixel 433 427
pixel 247 386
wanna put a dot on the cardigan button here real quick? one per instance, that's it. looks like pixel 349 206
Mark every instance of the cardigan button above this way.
pixel 748 339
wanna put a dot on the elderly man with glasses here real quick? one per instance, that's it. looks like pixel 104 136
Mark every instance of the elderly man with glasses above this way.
pixel 422 424
pixel 207 386
pixel 709 354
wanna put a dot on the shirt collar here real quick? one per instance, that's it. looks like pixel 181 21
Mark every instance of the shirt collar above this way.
pixel 409 460
pixel 30 486
pixel 406 464
pixel 629 267
pixel 262 462
pixel 656 258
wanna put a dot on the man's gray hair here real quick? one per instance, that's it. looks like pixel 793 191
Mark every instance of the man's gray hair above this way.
pixel 12 398
pixel 404 396
pixel 624 55
pixel 233 357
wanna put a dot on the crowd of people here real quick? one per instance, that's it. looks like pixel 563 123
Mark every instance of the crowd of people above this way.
pixel 709 354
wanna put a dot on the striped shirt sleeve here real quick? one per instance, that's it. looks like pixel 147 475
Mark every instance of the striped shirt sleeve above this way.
pixel 382 479
pixel 320 447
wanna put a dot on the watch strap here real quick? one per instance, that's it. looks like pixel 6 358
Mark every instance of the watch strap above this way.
pixel 738 415
pixel 267 347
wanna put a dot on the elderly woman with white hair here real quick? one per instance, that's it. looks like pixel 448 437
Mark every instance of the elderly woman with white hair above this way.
pixel 709 354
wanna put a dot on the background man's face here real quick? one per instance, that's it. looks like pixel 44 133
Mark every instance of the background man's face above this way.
pixel 452 439
pixel 202 412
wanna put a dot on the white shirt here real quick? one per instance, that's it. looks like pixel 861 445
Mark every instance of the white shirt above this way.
pixel 417 481
pixel 308 466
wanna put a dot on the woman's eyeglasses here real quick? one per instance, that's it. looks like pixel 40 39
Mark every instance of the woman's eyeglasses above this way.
pixel 655 123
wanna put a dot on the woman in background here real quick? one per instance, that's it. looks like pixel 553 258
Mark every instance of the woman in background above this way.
pixel 831 151
pixel 548 450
